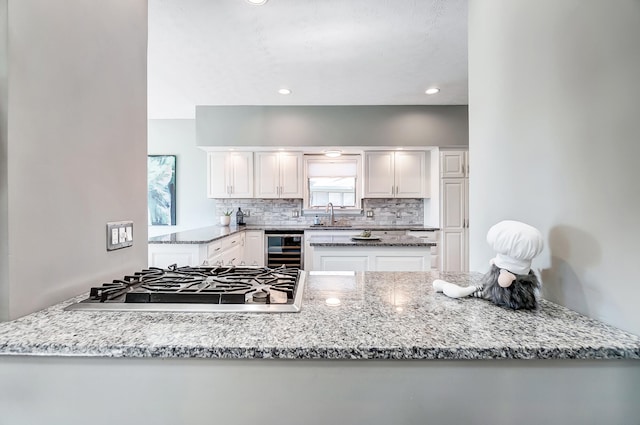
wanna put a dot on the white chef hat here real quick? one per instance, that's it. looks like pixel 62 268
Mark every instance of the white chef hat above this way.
pixel 516 244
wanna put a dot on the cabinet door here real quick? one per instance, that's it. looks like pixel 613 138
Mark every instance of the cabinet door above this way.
pixel 267 175
pixel 327 262
pixel 254 248
pixel 405 263
pixel 291 175
pixel 379 175
pixel 240 171
pixel 454 253
pixel 454 224
pixel 453 163
pixel 233 255
pixel 217 179
pixel 409 174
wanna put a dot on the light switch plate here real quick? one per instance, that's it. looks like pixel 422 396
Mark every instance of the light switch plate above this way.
pixel 119 235
pixel 370 213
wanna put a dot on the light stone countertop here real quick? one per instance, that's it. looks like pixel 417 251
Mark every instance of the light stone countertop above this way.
pixel 212 233
pixel 381 315
pixel 386 241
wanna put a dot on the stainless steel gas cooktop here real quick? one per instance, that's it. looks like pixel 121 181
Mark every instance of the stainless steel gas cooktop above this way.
pixel 201 289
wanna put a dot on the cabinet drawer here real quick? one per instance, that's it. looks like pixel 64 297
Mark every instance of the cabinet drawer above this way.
pixel 231 241
pixel 214 248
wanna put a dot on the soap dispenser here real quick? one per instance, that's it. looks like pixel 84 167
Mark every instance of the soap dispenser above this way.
pixel 239 217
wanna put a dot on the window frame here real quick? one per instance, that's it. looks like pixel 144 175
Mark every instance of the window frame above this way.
pixel 320 210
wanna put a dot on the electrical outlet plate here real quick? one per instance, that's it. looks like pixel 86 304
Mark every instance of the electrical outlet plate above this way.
pixel 369 213
pixel 119 235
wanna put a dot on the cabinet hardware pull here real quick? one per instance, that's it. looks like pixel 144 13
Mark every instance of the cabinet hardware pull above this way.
pixel 217 249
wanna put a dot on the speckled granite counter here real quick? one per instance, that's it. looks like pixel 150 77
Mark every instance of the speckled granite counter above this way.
pixel 339 241
pixel 211 233
pixel 197 236
pixel 379 316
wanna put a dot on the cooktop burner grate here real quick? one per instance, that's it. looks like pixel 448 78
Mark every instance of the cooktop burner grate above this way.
pixel 257 288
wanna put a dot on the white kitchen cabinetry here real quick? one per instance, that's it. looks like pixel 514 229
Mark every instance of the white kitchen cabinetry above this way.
pixel 230 174
pixel 254 248
pixel 454 164
pixel 454 214
pixel 308 249
pixel 430 236
pixel 381 259
pixel 399 174
pixel 363 258
pixel 278 175
pixel 226 251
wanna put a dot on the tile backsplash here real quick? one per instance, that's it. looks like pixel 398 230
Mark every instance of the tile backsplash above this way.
pixel 280 211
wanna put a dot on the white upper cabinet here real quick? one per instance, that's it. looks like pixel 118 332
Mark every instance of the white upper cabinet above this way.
pixel 230 174
pixel 278 175
pixel 400 174
pixel 454 164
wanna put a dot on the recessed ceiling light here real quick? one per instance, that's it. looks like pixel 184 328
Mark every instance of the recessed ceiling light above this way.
pixel 433 90
pixel 333 154
pixel 257 2
pixel 284 91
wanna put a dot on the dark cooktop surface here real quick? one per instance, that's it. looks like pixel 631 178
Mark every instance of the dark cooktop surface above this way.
pixel 179 286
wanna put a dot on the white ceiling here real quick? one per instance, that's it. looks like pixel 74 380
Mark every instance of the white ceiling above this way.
pixel 328 52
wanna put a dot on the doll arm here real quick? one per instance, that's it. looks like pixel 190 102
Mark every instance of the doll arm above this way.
pixel 452 290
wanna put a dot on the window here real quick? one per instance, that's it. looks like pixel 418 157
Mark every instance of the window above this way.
pixel 340 191
pixel 332 180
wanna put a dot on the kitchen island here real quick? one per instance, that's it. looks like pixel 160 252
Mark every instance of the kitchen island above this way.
pixel 374 253
pixel 375 347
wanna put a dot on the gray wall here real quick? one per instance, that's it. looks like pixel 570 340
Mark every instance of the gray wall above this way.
pixel 332 125
pixel 194 209
pixel 553 108
pixel 4 174
pixel 64 390
pixel 76 124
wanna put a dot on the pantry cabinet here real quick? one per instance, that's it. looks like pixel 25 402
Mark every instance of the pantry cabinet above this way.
pixel 230 174
pixel 279 175
pixel 398 174
pixel 454 214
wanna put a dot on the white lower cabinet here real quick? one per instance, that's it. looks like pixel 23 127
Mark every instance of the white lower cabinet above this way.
pixel 358 263
pixel 364 258
pixel 226 251
pixel 254 247
pixel 388 259
pixel 308 249
pixel 164 255
pixel 430 236
pixel 393 263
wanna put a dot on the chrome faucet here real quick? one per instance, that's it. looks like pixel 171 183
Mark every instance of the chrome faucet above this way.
pixel 331 217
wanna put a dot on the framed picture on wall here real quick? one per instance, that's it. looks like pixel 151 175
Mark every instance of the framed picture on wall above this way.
pixel 161 186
